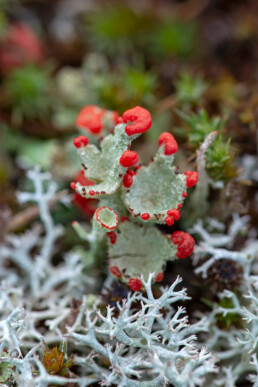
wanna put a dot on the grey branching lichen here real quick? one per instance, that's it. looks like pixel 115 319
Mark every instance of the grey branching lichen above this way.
pixel 148 345
pixel 233 321
pixel 145 341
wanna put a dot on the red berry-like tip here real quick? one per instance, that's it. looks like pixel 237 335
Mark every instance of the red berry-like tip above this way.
pixel 169 220
pixel 112 237
pixel 174 213
pixel 179 205
pixel 159 277
pixel 80 141
pixel 184 194
pixel 114 270
pixel 171 146
pixel 135 284
pixel 91 118
pixel 119 120
pixel 145 216
pixel 185 243
pixel 73 185
pixel 91 192
pixel 140 118
pixel 128 159
pixel 192 178
pixel 127 180
pixel 124 218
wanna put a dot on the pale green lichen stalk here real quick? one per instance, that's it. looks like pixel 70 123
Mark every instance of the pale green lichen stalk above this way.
pixel 133 197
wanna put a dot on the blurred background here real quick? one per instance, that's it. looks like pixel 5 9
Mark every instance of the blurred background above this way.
pixel 192 63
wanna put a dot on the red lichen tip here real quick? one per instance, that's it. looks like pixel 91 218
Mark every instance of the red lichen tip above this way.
pixel 171 146
pixel 175 213
pixel 116 118
pixel 192 178
pixel 119 120
pixel 91 118
pixel 140 118
pixel 91 192
pixel 115 271
pixel 128 159
pixel 159 277
pixel 127 180
pixel 112 237
pixel 185 243
pixel 73 185
pixel 169 220
pixel 184 194
pixel 145 216
pixel 179 205
pixel 80 141
pixel 124 218
pixel 135 284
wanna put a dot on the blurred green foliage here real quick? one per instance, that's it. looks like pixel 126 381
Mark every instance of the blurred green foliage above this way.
pixel 118 30
pixel 190 89
pixel 95 83
pixel 130 87
pixel 26 92
pixel 174 37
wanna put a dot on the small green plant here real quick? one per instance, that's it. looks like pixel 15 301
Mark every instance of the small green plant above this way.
pixel 200 125
pixel 133 198
pixel 219 160
pixel 219 155
pixel 54 360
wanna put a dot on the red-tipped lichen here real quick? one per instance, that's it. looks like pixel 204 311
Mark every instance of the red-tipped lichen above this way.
pixel 171 146
pixel 115 271
pixel 87 206
pixel 174 213
pixel 159 277
pixel 185 243
pixel 192 178
pixel 145 216
pixel 140 118
pixel 128 179
pixel 80 141
pixel 128 159
pixel 135 284
pixel 91 118
pixel 112 237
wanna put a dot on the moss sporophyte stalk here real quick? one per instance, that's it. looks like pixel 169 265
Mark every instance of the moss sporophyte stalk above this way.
pixel 133 198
